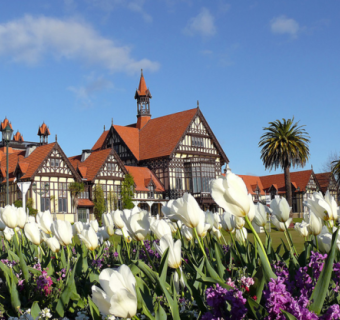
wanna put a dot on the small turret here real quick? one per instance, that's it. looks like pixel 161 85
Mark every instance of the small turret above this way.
pixel 43 133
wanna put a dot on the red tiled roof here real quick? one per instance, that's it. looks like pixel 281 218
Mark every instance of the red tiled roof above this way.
pixel 159 137
pixel 44 130
pixel 4 124
pixel 142 88
pixel 93 163
pixel 83 171
pixel 100 141
pixel 131 138
pixel 141 175
pixel 75 160
pixel 324 180
pixel 23 166
pixel 85 203
pixel 18 137
pixel 36 158
pixel 251 183
pixel 300 178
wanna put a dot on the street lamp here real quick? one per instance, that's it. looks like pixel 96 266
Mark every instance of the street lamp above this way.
pixel 45 190
pixel 6 137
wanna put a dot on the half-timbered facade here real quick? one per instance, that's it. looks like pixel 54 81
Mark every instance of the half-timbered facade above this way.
pixel 179 149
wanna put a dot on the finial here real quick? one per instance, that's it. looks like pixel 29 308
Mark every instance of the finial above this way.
pixel 56 138
pixel 111 121
pixel 198 104
pixel 311 166
pixel 141 71
pixel 104 127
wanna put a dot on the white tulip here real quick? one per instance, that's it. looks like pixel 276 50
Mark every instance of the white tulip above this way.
pixel 89 238
pixel 315 224
pixel 124 232
pixel 44 220
pixel 325 242
pixel 117 219
pixel 187 233
pixel 241 235
pixel 179 281
pixel 209 219
pixel 228 221
pixel 173 225
pixel 319 206
pixel 160 228
pixel 216 232
pixel 280 209
pixel 30 219
pixel 62 230
pixel 53 244
pixel 332 204
pixel 94 225
pixel 240 222
pixel 22 218
pixel 217 221
pixel 77 228
pixel 102 234
pixel 260 218
pixel 280 225
pixel 174 257
pixel 33 233
pixel 231 194
pixel 10 216
pixel 202 227
pixel 185 209
pixel 302 228
pixel 139 225
pixel 168 213
pixel 118 297
pixel 2 223
pixel 251 213
pixel 8 233
pixel 107 220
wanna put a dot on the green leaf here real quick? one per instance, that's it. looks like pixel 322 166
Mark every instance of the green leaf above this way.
pixel 163 268
pixel 95 313
pixel 144 297
pixel 218 255
pixel 288 315
pixel 35 310
pixel 15 301
pixel 258 312
pixel 24 268
pixel 321 288
pixel 63 258
pixel 160 314
pixel 267 270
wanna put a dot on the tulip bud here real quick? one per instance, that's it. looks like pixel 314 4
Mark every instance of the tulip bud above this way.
pixel 118 220
pixel 53 244
pixel 315 224
pixel 33 233
pixel 241 235
pixel 10 216
pixel 280 209
pixel 89 238
pixel 94 225
pixel 62 230
pixel 44 220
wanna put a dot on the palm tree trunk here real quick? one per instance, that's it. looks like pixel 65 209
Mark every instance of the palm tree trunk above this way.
pixel 75 204
pixel 288 185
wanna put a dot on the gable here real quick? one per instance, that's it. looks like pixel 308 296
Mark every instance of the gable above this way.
pixel 111 168
pixel 55 164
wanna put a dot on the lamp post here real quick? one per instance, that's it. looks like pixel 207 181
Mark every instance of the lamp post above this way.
pixel 6 137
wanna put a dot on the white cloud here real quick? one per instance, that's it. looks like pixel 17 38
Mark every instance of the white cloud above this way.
pixel 284 25
pixel 85 94
pixel 30 39
pixel 203 24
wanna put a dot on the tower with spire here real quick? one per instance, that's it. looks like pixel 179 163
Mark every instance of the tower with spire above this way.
pixel 143 97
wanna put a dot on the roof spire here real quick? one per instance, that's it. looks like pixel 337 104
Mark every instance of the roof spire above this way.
pixel 111 121
pixel 198 104
pixel 104 127
pixel 141 72
pixel 56 138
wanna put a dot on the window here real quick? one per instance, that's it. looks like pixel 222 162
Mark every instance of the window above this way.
pixel 83 215
pixel 62 197
pixel 197 142
pixel 44 203
pixel 198 176
pixel 151 193
pixel 178 178
pixel 84 195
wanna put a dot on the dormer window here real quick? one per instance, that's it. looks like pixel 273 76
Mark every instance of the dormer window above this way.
pixel 197 141
pixel 151 193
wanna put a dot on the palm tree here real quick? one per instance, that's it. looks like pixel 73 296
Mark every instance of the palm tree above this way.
pixel 284 144
pixel 336 170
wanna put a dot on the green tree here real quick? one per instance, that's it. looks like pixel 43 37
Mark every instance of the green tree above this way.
pixel 127 191
pixel 99 201
pixel 112 201
pixel 336 170
pixel 76 188
pixel 284 144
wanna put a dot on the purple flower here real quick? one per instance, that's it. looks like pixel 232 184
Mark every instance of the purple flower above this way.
pixel 44 283
pixel 333 313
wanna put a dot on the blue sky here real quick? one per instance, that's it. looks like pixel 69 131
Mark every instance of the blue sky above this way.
pixel 76 64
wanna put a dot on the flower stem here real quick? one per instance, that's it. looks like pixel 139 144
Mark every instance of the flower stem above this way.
pixel 290 239
pixel 127 248
pixel 147 254
pixel 317 243
pixel 199 241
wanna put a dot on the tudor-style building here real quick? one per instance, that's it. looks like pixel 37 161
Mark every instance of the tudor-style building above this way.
pixel 179 149
pixel 304 183
pixel 45 166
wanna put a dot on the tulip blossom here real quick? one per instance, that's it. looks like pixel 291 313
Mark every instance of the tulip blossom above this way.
pixel 228 221
pixel 240 222
pixel 89 238
pixel 174 257
pixel 319 206
pixel 117 219
pixel 10 216
pixel 22 217
pixel 62 230
pixel 217 221
pixel 107 220
pixel 118 297
pixel 302 228
pixel 230 193
pixel 260 218
pixel 44 220
pixel 280 209
pixel 168 212
pixel 160 228
pixel 209 219
pixel 179 281
pixel 216 232
pixel 102 234
pixel 251 213
pixel 315 224
pixel 280 225
pixel 33 233
pixel 139 225
pixel 241 235
pixel 332 204
pixel 53 244
pixel 202 227
pixel 94 225
pixel 8 233
pixel 2 223
pixel 187 232
pixel 77 228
